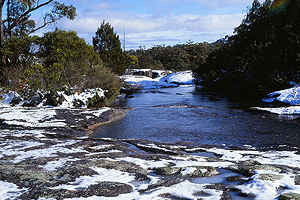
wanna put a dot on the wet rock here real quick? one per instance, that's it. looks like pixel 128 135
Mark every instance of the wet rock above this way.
pixel 216 186
pixel 248 168
pixel 289 196
pixel 107 189
pixel 269 177
pixel 234 178
pixel 225 196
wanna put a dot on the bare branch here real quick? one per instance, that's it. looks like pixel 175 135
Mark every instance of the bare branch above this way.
pixel 45 24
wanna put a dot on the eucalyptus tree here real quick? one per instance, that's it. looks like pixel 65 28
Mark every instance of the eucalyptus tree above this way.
pixel 17 18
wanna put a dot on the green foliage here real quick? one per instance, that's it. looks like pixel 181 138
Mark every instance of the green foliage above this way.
pixel 66 60
pixel 96 101
pixel 44 77
pixel 102 77
pixel 176 58
pixel 72 52
pixel 17 55
pixel 107 44
pixel 262 56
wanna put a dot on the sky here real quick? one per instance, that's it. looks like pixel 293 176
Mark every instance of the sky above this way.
pixel 157 22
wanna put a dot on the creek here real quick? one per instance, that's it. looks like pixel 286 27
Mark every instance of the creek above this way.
pixel 187 114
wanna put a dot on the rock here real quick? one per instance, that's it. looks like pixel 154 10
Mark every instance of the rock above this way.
pixel 297 180
pixel 191 171
pixel 234 178
pixel 107 189
pixel 140 173
pixel 171 196
pixel 163 183
pixel 216 186
pixel 167 171
pixel 269 177
pixel 248 168
pixel 289 196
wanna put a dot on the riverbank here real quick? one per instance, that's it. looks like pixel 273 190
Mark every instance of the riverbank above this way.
pixel 50 158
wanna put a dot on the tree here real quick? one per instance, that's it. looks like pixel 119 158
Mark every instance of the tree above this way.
pixel 17 55
pixel 262 56
pixel 132 61
pixel 66 60
pixel 107 44
pixel 18 15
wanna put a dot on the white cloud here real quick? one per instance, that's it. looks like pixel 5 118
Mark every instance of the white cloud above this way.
pixel 149 29
pixel 167 21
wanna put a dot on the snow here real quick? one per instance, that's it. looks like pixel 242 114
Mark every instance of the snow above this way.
pixel 291 110
pixel 52 151
pixel 183 78
pixel 54 165
pixel 9 190
pixel 103 175
pixel 41 117
pixel 263 189
pixel 69 99
pixel 171 80
pixel 289 96
pixel 82 96
pixel 188 170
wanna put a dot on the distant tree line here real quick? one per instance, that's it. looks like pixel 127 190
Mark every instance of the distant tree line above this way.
pixel 262 56
pixel 176 58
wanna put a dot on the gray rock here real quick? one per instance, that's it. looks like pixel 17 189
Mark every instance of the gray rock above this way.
pixel 199 172
pixel 140 173
pixel 167 171
pixel 297 180
pixel 163 183
pixel 269 177
pixel 248 168
pixel 234 178
pixel 107 189
pixel 289 196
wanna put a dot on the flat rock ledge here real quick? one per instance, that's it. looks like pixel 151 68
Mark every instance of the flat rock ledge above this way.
pixel 63 163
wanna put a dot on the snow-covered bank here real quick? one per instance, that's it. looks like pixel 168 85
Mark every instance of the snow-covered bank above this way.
pixel 289 96
pixel 39 99
pixel 171 80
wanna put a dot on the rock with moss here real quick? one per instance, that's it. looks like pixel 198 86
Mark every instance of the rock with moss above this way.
pixel 269 177
pixel 289 196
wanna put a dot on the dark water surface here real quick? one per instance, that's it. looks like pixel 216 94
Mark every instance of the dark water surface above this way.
pixel 184 114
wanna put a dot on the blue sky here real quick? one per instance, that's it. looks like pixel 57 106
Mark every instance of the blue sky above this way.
pixel 156 22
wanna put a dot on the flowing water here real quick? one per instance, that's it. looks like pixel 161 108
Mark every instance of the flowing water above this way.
pixel 185 114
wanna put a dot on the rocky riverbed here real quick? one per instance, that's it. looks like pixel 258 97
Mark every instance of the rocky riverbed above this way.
pixel 47 154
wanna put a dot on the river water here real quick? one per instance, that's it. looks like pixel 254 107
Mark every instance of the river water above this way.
pixel 186 114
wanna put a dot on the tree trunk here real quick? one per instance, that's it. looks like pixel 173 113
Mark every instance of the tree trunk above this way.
pixel 1 24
